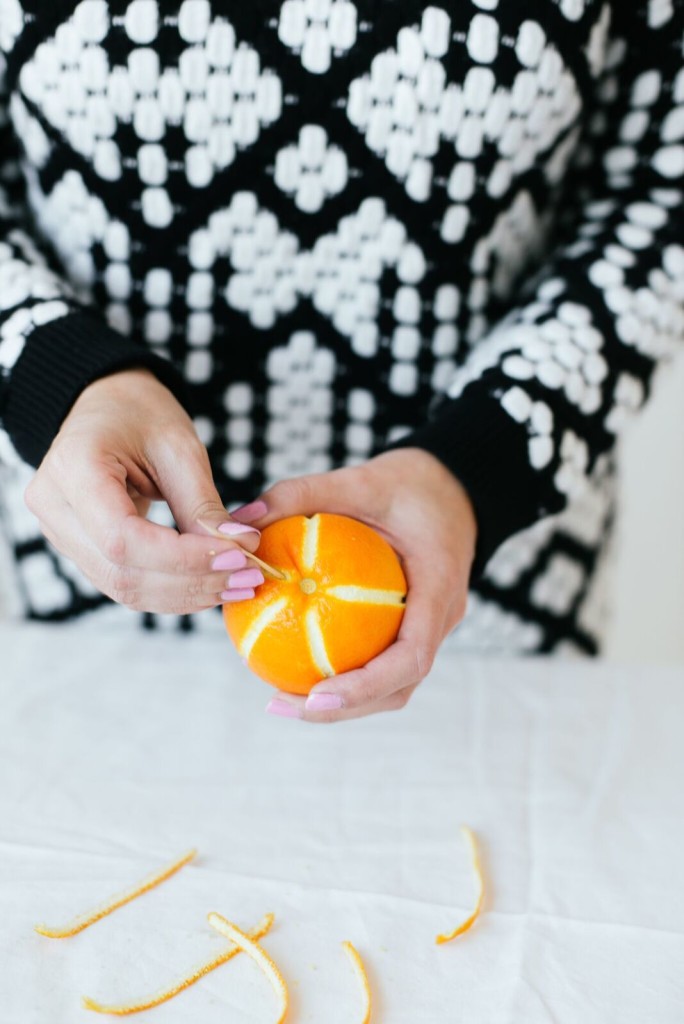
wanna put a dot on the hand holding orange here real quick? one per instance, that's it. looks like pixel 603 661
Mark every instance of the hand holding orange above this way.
pixel 340 605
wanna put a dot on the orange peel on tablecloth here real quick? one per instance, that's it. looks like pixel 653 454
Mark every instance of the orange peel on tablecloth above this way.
pixel 84 921
pixel 259 955
pixel 199 972
pixel 360 970
pixel 471 841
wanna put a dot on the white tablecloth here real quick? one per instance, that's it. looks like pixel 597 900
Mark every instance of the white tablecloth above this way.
pixel 119 752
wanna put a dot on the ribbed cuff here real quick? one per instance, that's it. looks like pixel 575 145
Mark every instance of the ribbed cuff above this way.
pixel 487 452
pixel 58 361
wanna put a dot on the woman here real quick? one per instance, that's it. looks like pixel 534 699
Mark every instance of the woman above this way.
pixel 417 263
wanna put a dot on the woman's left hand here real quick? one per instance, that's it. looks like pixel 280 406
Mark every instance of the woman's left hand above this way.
pixel 416 503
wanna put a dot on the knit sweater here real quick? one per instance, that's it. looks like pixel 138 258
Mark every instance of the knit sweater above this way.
pixel 334 226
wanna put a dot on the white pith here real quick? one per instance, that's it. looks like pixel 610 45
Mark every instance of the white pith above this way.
pixel 314 635
pixel 310 545
pixel 365 595
pixel 262 622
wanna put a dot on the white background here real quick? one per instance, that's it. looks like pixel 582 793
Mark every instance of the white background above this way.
pixel 649 600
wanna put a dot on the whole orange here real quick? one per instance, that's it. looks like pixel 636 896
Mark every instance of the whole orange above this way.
pixel 340 605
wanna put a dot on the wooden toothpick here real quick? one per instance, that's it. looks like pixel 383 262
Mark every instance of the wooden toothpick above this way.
pixel 271 570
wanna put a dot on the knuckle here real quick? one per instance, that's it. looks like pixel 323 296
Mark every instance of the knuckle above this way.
pixel 424 659
pixel 114 548
pixel 460 608
pixel 62 455
pixel 399 700
pixel 121 586
pixel 128 598
pixel 33 496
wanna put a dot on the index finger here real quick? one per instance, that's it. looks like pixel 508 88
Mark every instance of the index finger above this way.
pixel 111 521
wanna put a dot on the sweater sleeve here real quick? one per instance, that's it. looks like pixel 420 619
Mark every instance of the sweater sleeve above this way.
pixel 548 390
pixel 52 344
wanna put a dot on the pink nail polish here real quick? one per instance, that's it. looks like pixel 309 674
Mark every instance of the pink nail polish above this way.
pixel 282 708
pixel 324 702
pixel 230 560
pixel 245 578
pixel 248 513
pixel 236 595
pixel 235 529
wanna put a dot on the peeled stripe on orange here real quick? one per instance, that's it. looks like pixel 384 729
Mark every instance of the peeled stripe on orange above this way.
pixel 340 605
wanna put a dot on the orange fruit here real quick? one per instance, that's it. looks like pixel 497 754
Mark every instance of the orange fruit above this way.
pixel 340 605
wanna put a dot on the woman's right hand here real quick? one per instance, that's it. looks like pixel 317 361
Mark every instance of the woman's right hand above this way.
pixel 125 443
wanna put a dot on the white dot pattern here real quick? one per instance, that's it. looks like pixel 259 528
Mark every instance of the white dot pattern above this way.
pixel 318 30
pixel 406 108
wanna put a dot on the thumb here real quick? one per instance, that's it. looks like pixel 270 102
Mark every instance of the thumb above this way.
pixel 186 483
pixel 339 491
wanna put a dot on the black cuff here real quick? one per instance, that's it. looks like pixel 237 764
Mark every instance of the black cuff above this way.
pixel 58 361
pixel 487 451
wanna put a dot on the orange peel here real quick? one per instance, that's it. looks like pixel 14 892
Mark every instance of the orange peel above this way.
pixel 259 955
pixel 84 921
pixel 471 842
pixel 200 971
pixel 360 970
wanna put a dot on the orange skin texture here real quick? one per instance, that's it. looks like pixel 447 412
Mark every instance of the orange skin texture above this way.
pixel 349 553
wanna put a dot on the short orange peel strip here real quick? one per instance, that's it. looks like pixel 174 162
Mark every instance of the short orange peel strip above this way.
pixel 164 995
pixel 259 955
pixel 84 921
pixel 471 841
pixel 363 978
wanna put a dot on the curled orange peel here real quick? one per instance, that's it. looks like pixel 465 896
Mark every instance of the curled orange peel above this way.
pixel 259 955
pixel 363 978
pixel 471 841
pixel 200 971
pixel 84 921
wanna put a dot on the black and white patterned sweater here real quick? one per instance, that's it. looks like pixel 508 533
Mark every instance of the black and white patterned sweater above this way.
pixel 345 223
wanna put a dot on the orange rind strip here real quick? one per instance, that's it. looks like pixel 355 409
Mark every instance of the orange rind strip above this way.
pixel 471 841
pixel 84 921
pixel 363 978
pixel 259 955
pixel 165 994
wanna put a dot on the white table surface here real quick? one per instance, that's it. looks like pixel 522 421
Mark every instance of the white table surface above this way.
pixel 118 751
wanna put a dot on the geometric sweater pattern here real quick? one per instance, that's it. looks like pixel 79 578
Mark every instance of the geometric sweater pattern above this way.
pixel 336 226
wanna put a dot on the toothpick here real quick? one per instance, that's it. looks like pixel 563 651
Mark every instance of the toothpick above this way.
pixel 275 573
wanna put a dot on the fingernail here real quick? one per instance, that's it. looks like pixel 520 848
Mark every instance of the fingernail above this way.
pixel 234 529
pixel 246 578
pixel 248 513
pixel 230 560
pixel 236 595
pixel 324 702
pixel 282 708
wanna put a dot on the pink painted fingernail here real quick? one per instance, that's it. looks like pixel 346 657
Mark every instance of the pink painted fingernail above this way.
pixel 230 560
pixel 282 708
pixel 324 702
pixel 248 513
pixel 236 595
pixel 235 529
pixel 246 578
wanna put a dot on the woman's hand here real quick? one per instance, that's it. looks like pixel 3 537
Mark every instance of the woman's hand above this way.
pixel 125 443
pixel 409 497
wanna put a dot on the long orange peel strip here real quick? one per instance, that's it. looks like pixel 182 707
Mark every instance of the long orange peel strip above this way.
pixel 259 955
pixel 363 978
pixel 471 841
pixel 200 971
pixel 85 920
